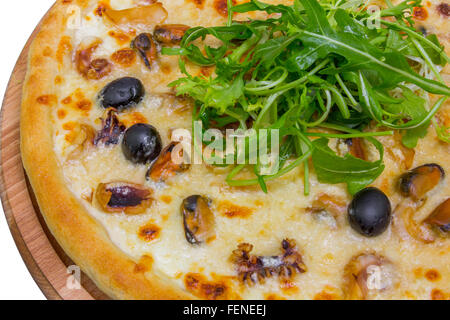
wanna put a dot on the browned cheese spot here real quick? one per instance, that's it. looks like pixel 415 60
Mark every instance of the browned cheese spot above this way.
pixel 84 105
pixel 199 3
pixel 47 52
pixel 67 100
pixel 58 80
pixel 134 118
pixel 230 210
pixel 121 38
pixel 437 294
pixel 124 57
pixel 72 134
pixel 69 125
pixel 47 99
pixel 288 287
pixel 64 48
pixel 62 113
pixel 328 293
pixel 149 232
pixel 166 199
pixel 420 13
pixel 432 275
pixel 166 68
pixel 144 264
pixel 201 287
pixel 221 7
pixel 100 9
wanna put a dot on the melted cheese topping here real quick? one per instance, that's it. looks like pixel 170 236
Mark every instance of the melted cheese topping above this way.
pixel 269 218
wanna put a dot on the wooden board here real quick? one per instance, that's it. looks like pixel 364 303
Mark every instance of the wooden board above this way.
pixel 42 255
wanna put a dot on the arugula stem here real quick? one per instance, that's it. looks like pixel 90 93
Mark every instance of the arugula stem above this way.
pixel 290 167
pixel 416 124
pixel 268 85
pixel 250 182
pixel 270 101
pixel 237 54
pixel 378 40
pixel 230 13
pixel 342 105
pixel 427 59
pixel 350 135
pixel 347 92
pixel 324 115
pixel 295 83
pixel 337 127
pixel 417 36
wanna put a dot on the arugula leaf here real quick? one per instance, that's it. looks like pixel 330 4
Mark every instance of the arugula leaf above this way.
pixel 271 49
pixel 215 94
pixel 391 67
pixel 412 136
pixel 349 25
pixel 301 58
pixel 435 56
pixel 356 173
pixel 412 108
pixel 255 5
pixel 443 132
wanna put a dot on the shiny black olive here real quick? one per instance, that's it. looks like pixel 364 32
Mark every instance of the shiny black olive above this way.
pixel 370 212
pixel 141 143
pixel 122 93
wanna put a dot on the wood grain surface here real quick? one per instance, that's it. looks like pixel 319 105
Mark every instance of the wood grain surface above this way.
pixel 42 255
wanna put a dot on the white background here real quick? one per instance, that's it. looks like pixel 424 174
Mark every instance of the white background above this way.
pixel 17 21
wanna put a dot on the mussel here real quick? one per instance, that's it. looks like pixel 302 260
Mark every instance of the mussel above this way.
pixel 198 219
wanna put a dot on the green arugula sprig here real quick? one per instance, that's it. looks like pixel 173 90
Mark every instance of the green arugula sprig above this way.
pixel 316 65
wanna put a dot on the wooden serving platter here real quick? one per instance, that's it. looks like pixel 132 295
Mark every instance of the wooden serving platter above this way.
pixel 44 258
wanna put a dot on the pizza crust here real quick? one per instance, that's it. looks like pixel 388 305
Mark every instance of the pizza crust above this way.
pixel 79 234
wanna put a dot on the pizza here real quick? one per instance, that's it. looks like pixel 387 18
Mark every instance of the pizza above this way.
pixel 351 202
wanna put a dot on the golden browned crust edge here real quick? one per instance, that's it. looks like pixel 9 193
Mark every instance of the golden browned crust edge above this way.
pixel 79 234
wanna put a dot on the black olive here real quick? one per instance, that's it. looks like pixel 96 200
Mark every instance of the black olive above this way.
pixel 141 143
pixel 122 93
pixel 370 212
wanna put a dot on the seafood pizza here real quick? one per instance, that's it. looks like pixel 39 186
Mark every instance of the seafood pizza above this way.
pixel 146 125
